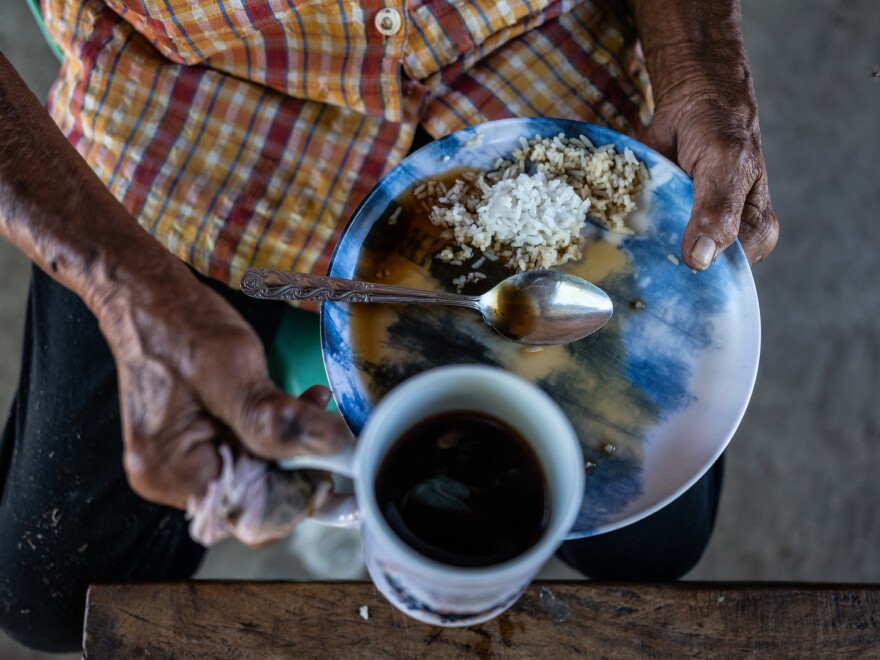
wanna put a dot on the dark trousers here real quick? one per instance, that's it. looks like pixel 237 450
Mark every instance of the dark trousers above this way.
pixel 68 517
pixel 67 514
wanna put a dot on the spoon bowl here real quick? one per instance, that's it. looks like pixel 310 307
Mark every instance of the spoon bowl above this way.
pixel 539 308
pixel 545 307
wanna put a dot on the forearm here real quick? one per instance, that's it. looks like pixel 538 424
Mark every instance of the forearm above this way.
pixel 56 210
pixel 684 40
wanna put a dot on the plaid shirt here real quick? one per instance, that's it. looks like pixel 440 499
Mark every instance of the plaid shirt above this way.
pixel 243 133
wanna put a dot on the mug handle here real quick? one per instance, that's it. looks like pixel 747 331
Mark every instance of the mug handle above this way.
pixel 338 510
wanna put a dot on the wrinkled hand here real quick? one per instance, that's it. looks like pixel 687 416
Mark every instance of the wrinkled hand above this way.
pixel 192 373
pixel 193 376
pixel 706 120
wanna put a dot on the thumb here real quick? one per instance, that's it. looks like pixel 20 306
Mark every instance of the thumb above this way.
pixel 720 190
pixel 274 425
pixel 317 394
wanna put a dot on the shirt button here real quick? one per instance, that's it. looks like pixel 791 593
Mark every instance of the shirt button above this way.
pixel 388 21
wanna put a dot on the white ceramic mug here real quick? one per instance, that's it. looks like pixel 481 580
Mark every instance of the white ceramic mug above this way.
pixel 425 589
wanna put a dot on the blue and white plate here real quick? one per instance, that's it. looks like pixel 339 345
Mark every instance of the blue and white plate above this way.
pixel 655 396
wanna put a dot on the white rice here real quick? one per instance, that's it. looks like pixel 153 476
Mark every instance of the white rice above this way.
pixel 530 211
pixel 531 220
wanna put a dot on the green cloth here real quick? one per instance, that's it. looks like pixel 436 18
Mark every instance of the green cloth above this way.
pixel 34 6
pixel 295 359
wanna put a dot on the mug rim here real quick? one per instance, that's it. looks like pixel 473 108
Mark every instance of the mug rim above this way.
pixel 552 416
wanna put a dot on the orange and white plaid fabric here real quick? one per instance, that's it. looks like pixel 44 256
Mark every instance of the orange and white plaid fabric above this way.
pixel 243 133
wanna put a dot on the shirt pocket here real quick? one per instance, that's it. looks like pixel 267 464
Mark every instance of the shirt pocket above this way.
pixel 190 32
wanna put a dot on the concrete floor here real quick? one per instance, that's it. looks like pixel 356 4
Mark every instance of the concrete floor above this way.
pixel 801 495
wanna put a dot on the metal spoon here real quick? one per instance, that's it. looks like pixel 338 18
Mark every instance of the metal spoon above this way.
pixel 539 307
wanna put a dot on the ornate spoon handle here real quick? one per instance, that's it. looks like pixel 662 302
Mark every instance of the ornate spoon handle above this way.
pixel 273 284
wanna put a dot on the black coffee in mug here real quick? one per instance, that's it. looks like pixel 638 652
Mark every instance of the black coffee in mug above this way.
pixel 465 489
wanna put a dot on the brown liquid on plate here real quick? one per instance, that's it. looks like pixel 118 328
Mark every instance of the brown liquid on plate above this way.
pixel 403 254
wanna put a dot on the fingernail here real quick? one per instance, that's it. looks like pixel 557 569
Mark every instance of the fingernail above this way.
pixel 703 252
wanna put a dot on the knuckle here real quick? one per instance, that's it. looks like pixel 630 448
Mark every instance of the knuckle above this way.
pixel 772 237
pixel 746 161
pixel 140 429
pixel 769 230
pixel 259 419
pixel 721 220
pixel 142 472
pixel 760 230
